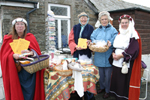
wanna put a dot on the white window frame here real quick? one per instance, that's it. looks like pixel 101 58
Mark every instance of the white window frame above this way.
pixel 0 31
pixel 18 4
pixel 59 18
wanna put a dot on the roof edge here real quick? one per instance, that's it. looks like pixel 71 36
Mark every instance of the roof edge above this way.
pixel 129 9
pixel 22 1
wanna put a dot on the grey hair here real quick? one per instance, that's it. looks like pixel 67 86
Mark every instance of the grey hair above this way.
pixel 103 13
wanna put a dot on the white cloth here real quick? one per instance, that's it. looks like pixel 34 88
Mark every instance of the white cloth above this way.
pixel 84 57
pixel 118 63
pixel 65 65
pixel 120 43
pixel 78 83
pixel 19 20
pixel 78 80
pixel 122 40
pixel 130 31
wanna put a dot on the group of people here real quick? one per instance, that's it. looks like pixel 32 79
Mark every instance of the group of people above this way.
pixel 124 46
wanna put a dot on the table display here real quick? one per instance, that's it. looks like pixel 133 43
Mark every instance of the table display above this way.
pixel 59 88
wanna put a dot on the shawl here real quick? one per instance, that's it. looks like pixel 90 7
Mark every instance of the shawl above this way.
pixel 71 42
pixel 11 81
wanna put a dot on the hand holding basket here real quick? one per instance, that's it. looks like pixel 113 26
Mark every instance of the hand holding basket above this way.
pixel 92 46
pixel 40 62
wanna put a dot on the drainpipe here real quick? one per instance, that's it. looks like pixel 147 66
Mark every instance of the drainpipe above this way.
pixel 27 17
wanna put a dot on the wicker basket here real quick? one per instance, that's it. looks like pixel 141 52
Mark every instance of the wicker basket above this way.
pixel 62 72
pixel 98 49
pixel 40 62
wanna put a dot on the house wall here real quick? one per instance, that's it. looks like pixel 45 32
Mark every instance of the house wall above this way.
pixel 142 24
pixel 37 18
pixel 37 21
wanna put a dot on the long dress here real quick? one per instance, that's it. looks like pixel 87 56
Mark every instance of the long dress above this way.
pixel 120 82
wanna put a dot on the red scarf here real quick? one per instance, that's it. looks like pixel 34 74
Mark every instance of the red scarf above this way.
pixel 11 82
pixel 135 80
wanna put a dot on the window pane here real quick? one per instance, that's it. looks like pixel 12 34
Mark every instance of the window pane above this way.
pixel 59 10
pixel 64 33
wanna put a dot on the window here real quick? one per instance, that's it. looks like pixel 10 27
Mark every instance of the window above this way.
pixel 62 22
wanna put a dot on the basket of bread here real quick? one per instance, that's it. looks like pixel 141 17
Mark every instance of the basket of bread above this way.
pixel 99 46
pixel 67 66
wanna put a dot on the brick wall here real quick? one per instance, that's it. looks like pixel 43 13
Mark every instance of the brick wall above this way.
pixel 142 20
pixel 37 18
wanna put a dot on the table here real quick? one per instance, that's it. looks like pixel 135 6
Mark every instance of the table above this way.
pixel 59 88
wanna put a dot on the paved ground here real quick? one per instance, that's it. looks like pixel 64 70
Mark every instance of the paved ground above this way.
pixel 1 90
pixel 142 95
pixel 99 96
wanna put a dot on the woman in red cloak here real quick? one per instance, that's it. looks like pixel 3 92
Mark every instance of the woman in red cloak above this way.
pixel 20 85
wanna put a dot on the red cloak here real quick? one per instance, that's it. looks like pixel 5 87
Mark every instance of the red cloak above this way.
pixel 11 82
pixel 135 80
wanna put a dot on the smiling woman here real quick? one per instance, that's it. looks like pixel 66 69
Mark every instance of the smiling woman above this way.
pixel 83 20
pixel 124 23
pixel 20 27
pixel 104 20
pixel 107 33
pixel 20 85
pixel 82 30
pixel 127 49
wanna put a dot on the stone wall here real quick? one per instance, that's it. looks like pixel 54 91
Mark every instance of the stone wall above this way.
pixel 37 18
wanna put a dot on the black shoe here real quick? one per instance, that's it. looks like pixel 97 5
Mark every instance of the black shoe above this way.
pixel 106 95
pixel 100 91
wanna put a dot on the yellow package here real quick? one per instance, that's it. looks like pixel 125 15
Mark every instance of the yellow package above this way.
pixel 19 44
pixel 22 45
pixel 82 43
pixel 13 44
